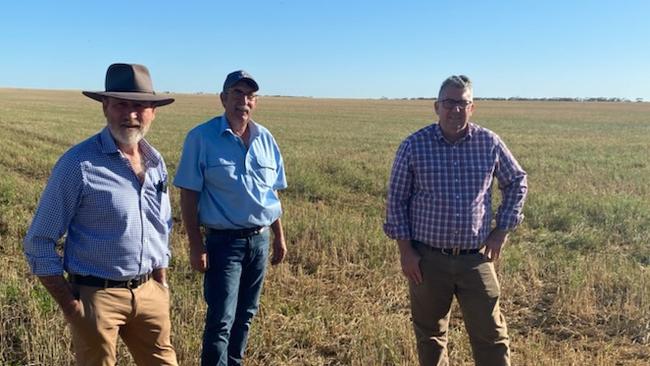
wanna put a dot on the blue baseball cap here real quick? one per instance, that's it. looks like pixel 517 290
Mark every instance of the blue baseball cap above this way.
pixel 236 76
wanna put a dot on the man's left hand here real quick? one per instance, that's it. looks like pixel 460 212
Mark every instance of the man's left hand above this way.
pixel 160 276
pixel 279 250
pixel 494 243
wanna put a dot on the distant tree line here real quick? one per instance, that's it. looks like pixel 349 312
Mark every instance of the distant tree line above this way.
pixel 566 99
pixel 552 99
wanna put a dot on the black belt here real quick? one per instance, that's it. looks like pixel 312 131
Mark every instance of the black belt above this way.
pixel 447 251
pixel 101 282
pixel 236 233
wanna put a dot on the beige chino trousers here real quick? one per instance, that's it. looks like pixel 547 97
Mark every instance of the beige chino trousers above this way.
pixel 471 278
pixel 140 316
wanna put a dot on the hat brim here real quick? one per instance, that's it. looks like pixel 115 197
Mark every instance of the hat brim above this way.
pixel 157 100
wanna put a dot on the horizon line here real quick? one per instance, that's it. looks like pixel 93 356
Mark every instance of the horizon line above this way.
pixel 499 98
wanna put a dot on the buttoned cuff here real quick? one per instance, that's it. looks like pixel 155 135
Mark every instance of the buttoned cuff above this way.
pixel 397 232
pixel 46 266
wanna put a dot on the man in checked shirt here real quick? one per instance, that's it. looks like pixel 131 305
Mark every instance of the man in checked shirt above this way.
pixel 439 209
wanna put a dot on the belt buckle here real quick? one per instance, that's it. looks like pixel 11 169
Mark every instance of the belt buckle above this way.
pixel 450 251
pixel 132 283
pixel 251 232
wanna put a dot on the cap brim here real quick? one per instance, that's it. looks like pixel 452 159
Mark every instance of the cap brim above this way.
pixel 157 100
pixel 252 83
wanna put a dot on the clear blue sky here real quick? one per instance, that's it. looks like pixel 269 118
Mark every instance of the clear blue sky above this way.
pixel 335 48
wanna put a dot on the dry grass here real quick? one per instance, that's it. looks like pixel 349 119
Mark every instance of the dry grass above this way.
pixel 575 277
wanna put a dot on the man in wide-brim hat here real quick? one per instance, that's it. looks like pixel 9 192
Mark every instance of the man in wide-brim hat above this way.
pixel 129 82
pixel 108 195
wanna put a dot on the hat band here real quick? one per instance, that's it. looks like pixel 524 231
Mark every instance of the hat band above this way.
pixel 130 90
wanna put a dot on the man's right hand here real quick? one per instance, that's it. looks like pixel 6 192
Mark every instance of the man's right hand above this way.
pixel 410 260
pixel 199 260
pixel 62 293
pixel 190 214
pixel 72 310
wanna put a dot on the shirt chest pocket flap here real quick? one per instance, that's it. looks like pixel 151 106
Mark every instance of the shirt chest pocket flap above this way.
pixel 219 170
pixel 265 170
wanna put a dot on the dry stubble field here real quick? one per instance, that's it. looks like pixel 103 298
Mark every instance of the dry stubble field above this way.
pixel 575 277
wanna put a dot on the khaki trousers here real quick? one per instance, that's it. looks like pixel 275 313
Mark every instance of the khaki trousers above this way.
pixel 140 316
pixel 472 279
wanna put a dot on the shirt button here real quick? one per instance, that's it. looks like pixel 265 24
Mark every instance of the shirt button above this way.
pixel 457 197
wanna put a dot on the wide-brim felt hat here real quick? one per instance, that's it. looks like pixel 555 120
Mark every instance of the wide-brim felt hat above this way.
pixel 129 82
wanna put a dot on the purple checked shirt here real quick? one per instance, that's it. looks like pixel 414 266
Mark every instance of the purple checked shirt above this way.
pixel 441 193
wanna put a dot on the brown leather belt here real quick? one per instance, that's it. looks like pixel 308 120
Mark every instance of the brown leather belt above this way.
pixel 446 251
pixel 455 251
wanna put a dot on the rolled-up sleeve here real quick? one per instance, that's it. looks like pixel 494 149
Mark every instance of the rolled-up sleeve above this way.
pixel 400 188
pixel 55 211
pixel 513 184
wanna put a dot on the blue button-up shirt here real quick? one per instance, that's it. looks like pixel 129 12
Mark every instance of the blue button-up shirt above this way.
pixel 441 193
pixel 116 227
pixel 237 184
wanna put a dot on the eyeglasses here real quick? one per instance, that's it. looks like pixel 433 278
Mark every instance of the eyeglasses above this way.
pixel 453 103
pixel 237 93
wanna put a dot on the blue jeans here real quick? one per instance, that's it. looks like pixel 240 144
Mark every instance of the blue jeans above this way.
pixel 232 287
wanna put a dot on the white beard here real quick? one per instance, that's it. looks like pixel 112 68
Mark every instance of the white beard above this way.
pixel 127 137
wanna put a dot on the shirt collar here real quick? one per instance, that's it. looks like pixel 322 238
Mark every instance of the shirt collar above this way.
pixel 224 126
pixel 106 141
pixel 437 133
pixel 108 146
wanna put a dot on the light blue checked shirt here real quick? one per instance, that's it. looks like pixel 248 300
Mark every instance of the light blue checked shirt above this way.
pixel 237 185
pixel 116 228
pixel 441 193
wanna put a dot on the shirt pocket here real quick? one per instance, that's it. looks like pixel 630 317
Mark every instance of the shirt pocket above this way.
pixel 430 176
pixel 220 171
pixel 477 178
pixel 264 170
pixel 158 209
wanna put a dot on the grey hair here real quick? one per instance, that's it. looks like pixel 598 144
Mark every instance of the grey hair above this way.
pixel 456 81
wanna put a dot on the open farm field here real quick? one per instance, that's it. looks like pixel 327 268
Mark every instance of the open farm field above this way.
pixel 575 276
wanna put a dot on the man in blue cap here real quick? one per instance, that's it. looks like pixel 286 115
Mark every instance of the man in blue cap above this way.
pixel 229 174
